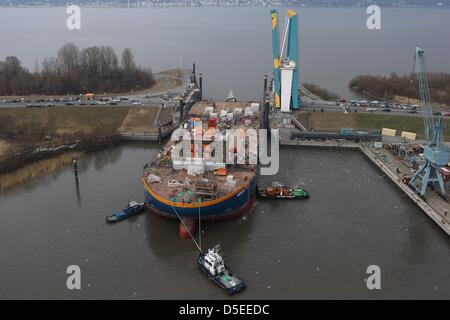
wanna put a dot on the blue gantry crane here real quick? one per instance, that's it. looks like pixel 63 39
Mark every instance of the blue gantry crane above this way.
pixel 435 152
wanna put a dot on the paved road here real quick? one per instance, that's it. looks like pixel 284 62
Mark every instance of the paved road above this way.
pixel 156 98
pixel 329 108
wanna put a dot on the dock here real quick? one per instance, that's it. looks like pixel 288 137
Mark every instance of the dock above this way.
pixel 430 208
pixel 157 123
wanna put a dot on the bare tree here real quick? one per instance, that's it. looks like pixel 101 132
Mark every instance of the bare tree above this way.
pixel 128 64
pixel 73 71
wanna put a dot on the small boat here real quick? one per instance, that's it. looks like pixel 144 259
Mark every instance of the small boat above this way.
pixel 279 191
pixel 211 263
pixel 133 208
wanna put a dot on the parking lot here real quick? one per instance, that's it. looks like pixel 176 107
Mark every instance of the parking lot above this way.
pixel 132 100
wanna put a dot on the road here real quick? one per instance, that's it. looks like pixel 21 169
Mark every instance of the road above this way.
pixel 334 108
pixel 166 95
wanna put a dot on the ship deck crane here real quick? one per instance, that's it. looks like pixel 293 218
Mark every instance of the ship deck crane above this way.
pixel 436 153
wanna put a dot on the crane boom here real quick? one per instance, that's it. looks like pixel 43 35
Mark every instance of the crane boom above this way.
pixel 435 152
pixel 422 78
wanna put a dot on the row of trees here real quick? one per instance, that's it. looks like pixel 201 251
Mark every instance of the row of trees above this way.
pixel 386 87
pixel 75 71
pixel 321 92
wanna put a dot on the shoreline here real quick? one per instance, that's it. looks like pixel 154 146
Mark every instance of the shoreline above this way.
pixel 38 168
pixel 67 132
pixel 29 164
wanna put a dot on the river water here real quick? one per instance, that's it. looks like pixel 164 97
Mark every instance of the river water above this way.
pixel 233 46
pixel 317 248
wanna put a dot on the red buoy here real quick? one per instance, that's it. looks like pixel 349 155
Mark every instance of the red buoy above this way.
pixel 191 225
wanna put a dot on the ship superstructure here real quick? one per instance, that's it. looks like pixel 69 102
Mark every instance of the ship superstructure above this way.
pixel 208 168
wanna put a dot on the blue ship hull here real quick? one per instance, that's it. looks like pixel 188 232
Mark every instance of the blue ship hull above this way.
pixel 235 205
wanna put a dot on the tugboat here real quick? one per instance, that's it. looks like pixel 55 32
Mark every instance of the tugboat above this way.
pixel 211 263
pixel 133 208
pixel 279 191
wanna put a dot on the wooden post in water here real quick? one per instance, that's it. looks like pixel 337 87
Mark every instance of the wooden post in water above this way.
pixel 159 133
pixel 77 185
pixel 75 170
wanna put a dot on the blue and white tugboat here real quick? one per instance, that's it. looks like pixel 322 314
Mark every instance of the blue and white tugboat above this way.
pixel 133 208
pixel 211 263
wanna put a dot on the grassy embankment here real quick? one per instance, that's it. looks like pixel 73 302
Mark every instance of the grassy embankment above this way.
pixel 51 127
pixel 321 92
pixel 22 129
pixel 334 121
pixel 164 80
pixel 94 127
pixel 69 121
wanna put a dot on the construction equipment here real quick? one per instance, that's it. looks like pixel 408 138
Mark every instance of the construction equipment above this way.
pixel 285 70
pixel 436 153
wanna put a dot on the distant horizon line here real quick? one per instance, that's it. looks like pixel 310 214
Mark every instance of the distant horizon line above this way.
pixel 150 4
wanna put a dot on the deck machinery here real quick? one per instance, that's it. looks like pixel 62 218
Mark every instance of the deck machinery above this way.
pixel 285 67
pixel 436 153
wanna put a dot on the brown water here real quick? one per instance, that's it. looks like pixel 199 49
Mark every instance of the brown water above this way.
pixel 318 248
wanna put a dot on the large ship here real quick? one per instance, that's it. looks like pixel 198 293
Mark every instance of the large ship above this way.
pixel 197 182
